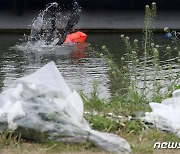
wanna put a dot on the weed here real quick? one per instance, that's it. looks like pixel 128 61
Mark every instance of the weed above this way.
pixel 144 78
pixel 137 81
pixel 9 139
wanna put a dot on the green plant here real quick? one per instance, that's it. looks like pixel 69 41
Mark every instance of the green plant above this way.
pixel 9 139
pixel 103 123
pixel 144 78
pixel 139 79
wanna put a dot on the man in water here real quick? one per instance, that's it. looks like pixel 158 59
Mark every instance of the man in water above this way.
pixel 72 21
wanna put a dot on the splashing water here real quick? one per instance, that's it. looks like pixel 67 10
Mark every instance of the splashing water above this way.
pixel 38 22
pixel 42 27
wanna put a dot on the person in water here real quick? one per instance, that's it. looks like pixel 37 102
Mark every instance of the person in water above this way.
pixel 168 32
pixel 171 33
pixel 72 21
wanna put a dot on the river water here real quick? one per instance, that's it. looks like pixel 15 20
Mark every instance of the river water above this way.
pixel 79 66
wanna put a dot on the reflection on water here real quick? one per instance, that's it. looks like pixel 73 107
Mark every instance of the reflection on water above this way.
pixel 169 68
pixel 78 65
pixel 166 75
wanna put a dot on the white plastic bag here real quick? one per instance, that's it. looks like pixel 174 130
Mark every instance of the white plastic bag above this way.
pixel 41 106
pixel 165 115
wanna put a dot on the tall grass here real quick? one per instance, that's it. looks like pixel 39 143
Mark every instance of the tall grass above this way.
pixel 9 139
pixel 146 72
pixel 144 75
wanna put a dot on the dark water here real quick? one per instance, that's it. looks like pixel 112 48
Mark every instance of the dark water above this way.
pixel 80 68
pixel 76 64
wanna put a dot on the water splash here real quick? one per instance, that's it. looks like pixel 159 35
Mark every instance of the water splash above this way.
pixel 40 28
pixel 43 28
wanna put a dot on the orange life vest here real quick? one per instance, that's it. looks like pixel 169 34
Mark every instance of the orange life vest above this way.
pixel 77 37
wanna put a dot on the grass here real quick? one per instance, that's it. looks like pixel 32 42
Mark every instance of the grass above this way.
pixel 16 145
pixel 141 140
pixel 48 148
pixel 114 117
pixel 120 115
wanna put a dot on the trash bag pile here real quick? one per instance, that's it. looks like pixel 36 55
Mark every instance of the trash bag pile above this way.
pixel 165 115
pixel 41 106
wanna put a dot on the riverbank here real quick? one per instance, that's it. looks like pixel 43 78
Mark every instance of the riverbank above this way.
pixel 106 20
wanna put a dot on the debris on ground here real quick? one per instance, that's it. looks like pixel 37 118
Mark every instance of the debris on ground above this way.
pixel 165 115
pixel 41 106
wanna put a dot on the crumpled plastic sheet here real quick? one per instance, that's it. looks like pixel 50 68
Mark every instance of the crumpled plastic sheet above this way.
pixel 165 115
pixel 41 106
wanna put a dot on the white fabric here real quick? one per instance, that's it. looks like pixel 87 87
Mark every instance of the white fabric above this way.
pixel 165 115
pixel 42 103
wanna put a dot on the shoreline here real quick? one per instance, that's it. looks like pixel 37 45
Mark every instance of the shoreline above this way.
pixel 95 21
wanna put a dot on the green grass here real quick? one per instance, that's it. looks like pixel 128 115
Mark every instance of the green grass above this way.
pixel 16 145
pixel 141 141
pixel 131 105
pixel 103 116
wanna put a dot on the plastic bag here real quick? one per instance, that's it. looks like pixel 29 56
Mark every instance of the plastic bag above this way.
pixel 41 106
pixel 165 115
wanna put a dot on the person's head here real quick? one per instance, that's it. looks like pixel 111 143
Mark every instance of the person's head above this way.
pixel 166 29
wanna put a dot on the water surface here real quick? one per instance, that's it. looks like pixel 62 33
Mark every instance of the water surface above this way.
pixel 78 65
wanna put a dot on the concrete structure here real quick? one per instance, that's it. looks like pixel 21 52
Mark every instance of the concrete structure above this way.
pixel 107 20
pixel 101 14
pixel 91 4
